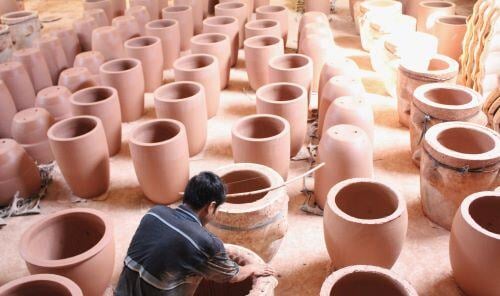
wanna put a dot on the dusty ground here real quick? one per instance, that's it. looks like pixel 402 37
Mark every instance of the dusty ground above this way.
pixel 302 261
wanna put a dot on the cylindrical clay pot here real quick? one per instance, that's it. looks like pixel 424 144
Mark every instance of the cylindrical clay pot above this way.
pixel 108 41
pixel 312 17
pixel 128 26
pixel 7 111
pixel 17 80
pixel 258 51
pixel 450 31
pixel 262 27
pixel 318 5
pixel 278 13
pixel 250 5
pixel 100 4
pixel 99 16
pixel 153 7
pixel 55 99
pixel 197 10
pixel 335 67
pixel 118 7
pixel 149 51
pixel 170 36
pixel 53 51
pixel 77 78
pixel 237 10
pixel 92 60
pixel 217 45
pixel 292 68
pixel 141 14
pixel 429 11
pixel 24 27
pixel 70 43
pixel 36 66
pixel 227 25
pixel 83 28
pixel 184 15
pixel 41 284
pixel 314 28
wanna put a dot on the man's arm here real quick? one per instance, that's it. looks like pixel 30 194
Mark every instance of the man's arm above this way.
pixel 252 270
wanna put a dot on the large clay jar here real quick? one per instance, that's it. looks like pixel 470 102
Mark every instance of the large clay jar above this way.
pixel 70 43
pixel 118 7
pixel 18 172
pixel 259 50
pixel 366 280
pixel 7 111
pixel 101 102
pixel 99 15
pixel 184 15
pixel 76 78
pixel 335 67
pixel 292 68
pixel 153 7
pixel 320 49
pixel 127 25
pixel 17 80
pixel 36 66
pixel 262 139
pixel 41 284
pixel 429 11
pixel 170 36
pixel 159 150
pixel 318 5
pixel 259 221
pixel 81 152
pixel 218 45
pixel 204 69
pixel 83 28
pixel 458 159
pixel 92 60
pixel 227 25
pixel 197 10
pixel 108 41
pixel 79 244
pixel 184 101
pixel 148 50
pixel 100 4
pixel 237 10
pixel 53 52
pixel 24 27
pixel 127 77
pixel 312 17
pixel 55 99
pixel 141 14
pixel 450 31
pixel 278 13
pixel 347 153
pixel 475 244
pixel 262 27
pixel 368 210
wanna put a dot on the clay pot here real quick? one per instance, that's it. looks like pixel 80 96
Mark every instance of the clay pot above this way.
pixel 118 7
pixel 76 78
pixel 142 16
pixel 376 26
pixel 148 50
pixel 292 68
pixel 159 150
pixel 387 7
pixel 41 284
pixel 250 4
pixel 312 17
pixel 128 26
pixel 185 102
pixel 208 7
pixel 170 36
pixel 450 31
pixel 105 5
pixel 278 13
pixel 474 244
pixel 108 41
pixel 83 28
pixel 55 99
pixel 18 172
pixel 92 60
pixel 320 50
pixel 8 6
pixel 259 50
pixel 99 15
pixel 80 242
pixel 53 52
pixel 70 43
pixel 316 28
pixel 184 15
pixel 259 3
pixel 101 102
pixel 7 111
pixel 197 9
pixel 364 208
pixel 227 25
pixel 204 69
pixel 238 219
pixel 24 27
pixel 347 153
pixel 262 27
pixel 81 152
pixel 237 10
pixel 153 7
pixel 218 45
pixel 334 67
pixel 458 159
pixel 318 5
pixel 36 66
pixel 7 47
pixel 17 80
pixel 429 11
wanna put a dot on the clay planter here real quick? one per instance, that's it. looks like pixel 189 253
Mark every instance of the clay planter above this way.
pixel 262 27
pixel 70 43
pixel 148 50
pixel 108 41
pixel 53 52
pixel 366 280
pixel 92 60
pixel 81 152
pixel 204 69
pixel 218 45
pixel 7 111
pixel 347 153
pixel 170 36
pixel 142 16
pixel 105 5
pixel 227 25
pixel 76 78
pixel 80 246
pixel 237 10
pixel 429 11
pixel 184 15
pixel 99 16
pixel 36 66
pixel 41 284
pixel 458 159
pixel 18 172
pixel 197 10
pixel 320 49
pixel 450 31
pixel 318 5
pixel 17 80
pixel 278 13
pixel 101 102
pixel 55 99
pixel 334 67
pixel 475 244
pixel 312 17
pixel 83 28
pixel 292 68
pixel 153 7
pixel 118 7
pixel 159 151
pixel 24 27
pixel 126 76
pixel 128 26
pixel 259 50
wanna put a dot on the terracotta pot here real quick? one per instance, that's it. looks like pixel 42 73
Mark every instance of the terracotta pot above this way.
pixel 108 41
pixel 262 27
pixel 101 102
pixel 204 69
pixel 278 13
pixel 24 27
pixel 316 28
pixel 376 25
pixel 474 244
pixel 17 80
pixel 458 159
pixel 128 26
pixel 142 16
pixel 99 16
pixel 237 10
pixel 318 5
pixel 43 284
pixel 185 102
pixel 347 153
pixel 76 78
pixel 184 15
pixel 55 99
pixel 334 67
pixel 119 7
pixel 34 63
pixel 81 152
pixel 429 11
pixel 292 68
pixel 83 28
pixel 92 60
pixel 53 52
pixel 262 139
pixel 70 43
pixel 218 45
pixel 259 50
pixel 388 7
pixel 312 17
pixel 364 208
pixel 320 50
pixel 148 50
pixel 7 111
pixel 250 4
pixel 208 7
pixel 18 172
pixel 259 3
pixel 8 6
pixel 105 5
pixel 227 25
pixel 80 242
pixel 197 10
pixel 159 150
pixel 153 7
pixel 170 36
pixel 450 31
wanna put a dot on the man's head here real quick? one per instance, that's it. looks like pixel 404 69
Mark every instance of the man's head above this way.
pixel 204 193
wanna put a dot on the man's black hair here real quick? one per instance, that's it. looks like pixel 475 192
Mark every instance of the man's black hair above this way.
pixel 203 189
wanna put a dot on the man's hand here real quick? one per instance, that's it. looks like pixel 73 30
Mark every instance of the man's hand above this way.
pixel 258 270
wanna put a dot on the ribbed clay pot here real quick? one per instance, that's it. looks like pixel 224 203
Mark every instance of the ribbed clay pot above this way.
pixel 99 15
pixel 76 78
pixel 197 10
pixel 450 31
pixel 70 43
pixel 17 80
pixel 239 11
pixel 227 25
pixel 159 151
pixel 55 99
pixel 41 284
pixel 153 7
pixel 128 26
pixel 80 246
pixel 92 60
pixel 258 222
pixel 53 52
pixel 108 41
pixel 118 7
pixel 334 67
pixel 347 153
pixel 18 172
pixel 204 69
pixel 262 27
pixel 170 36
pixel 184 15
pixel 475 244
pixel 262 139
pixel 127 77
pixel 81 152
pixel 429 11
pixel 292 68
pixel 105 5
pixel 7 111
pixel 312 17
pixel 148 50
pixel 36 66
pixel 83 28
pixel 259 50
pixel 24 27
pixel 318 5
pixel 278 13
pixel 320 49
pixel 142 16
pixel 218 45
pixel 458 159
pixel 364 209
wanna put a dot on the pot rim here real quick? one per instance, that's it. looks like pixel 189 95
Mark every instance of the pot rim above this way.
pixel 52 137
pixel 449 72
pixel 465 212
pixel 301 96
pixel 274 60
pixel 195 39
pixel 194 56
pixel 151 122
pixel 208 20
pixel 280 8
pixel 273 24
pixel 16 17
pixel 427 4
pixel 71 286
pixel 248 41
pixel 457 17
pixel 163 99
pixel 114 94
pixel 102 68
pixel 230 5
pixel 105 30
pixel 369 5
pixel 128 45
pixel 285 130
pixel 177 9
pixel 172 24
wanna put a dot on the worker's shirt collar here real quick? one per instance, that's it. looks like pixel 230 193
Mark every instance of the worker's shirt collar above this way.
pixel 188 213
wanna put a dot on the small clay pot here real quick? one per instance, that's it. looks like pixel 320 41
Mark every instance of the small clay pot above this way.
pixel 41 284
pixel 81 152
pixel 153 7
pixel 278 13
pixel 197 9
pixel 169 33
pixel 127 77
pixel 318 5
pixel 18 81
pixel 101 102
pixel 92 60
pixel 204 69
pixel 7 111
pixel 320 49
pixel 429 11
pixel 227 25
pixel 105 5
pixel 70 43
pixel 76 78
pixel 450 31
pixel 218 45
pixel 128 26
pixel 185 102
pixel 239 11
pixel 99 16
pixel 259 50
pixel 184 15
pixel 36 66
pixel 312 17
pixel 83 28
pixel 159 151
pixel 262 139
pixel 55 99
pixel 119 7
pixel 53 52
pixel 262 27
pixel 292 68
pixel 80 242
pixel 142 16
pixel 148 50
pixel 108 41
pixel 334 67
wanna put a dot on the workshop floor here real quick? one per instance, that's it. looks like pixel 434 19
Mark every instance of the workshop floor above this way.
pixel 302 261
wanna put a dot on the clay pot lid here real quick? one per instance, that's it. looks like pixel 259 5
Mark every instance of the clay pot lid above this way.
pixel 30 126
pixel 161 132
pixel 261 41
pixel 270 8
pixel 162 24
pixel 440 68
pixel 281 124
pixel 25 52
pixel 119 66
pixel 452 20
pixel 10 66
pixel 437 4
pixel 209 38
pixel 220 20
pixel 472 206
pixel 194 62
pixel 262 24
pixel 73 128
pixel 290 62
pixel 177 9
pixel 281 93
pixel 366 6
pixel 24 284
pixel 178 92
pixel 95 95
pixel 17 17
pixel 230 5
pixel 142 42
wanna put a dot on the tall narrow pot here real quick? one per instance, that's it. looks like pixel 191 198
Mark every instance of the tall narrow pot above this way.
pixel 217 45
pixel 18 81
pixel 184 15
pixel 36 66
pixel 259 50
pixel 149 51
pixel 227 25
pixel 169 33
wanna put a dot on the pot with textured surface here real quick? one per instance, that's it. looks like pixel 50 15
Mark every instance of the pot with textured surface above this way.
pixel 41 285
pixel 148 50
pixel 55 99
pixel 24 27
pixel 18 82
pixel 170 36
pixel 258 51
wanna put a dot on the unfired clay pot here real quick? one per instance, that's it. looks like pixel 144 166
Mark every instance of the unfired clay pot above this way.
pixel 450 31
pixel 99 15
pixel 259 3
pixel 316 28
pixel 184 15
pixel 275 12
pixel 369 211
pixel 227 25
pixel 334 67
pixel 159 150
pixel 258 51
pixel 262 27
pixel 83 28
pixel 320 49
pixel 108 41
pixel 7 111
pixel 17 80
pixel 101 4
pixel 118 7
pixel 388 7
pixel 53 52
pixel 92 60
pixel 312 17
pixel 41 284
pixel 80 246
pixel 141 14
pixel 218 45
pixel 127 25
pixel 76 78
pixel 24 27
pixel 70 43
pixel 170 36
pixel 153 7
pixel 197 10
pixel 429 11
pixel 55 99
pixel 237 10
pixel 318 5
pixel 292 68
pixel 36 66
pixel 81 152
pixel 250 4
pixel 148 50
